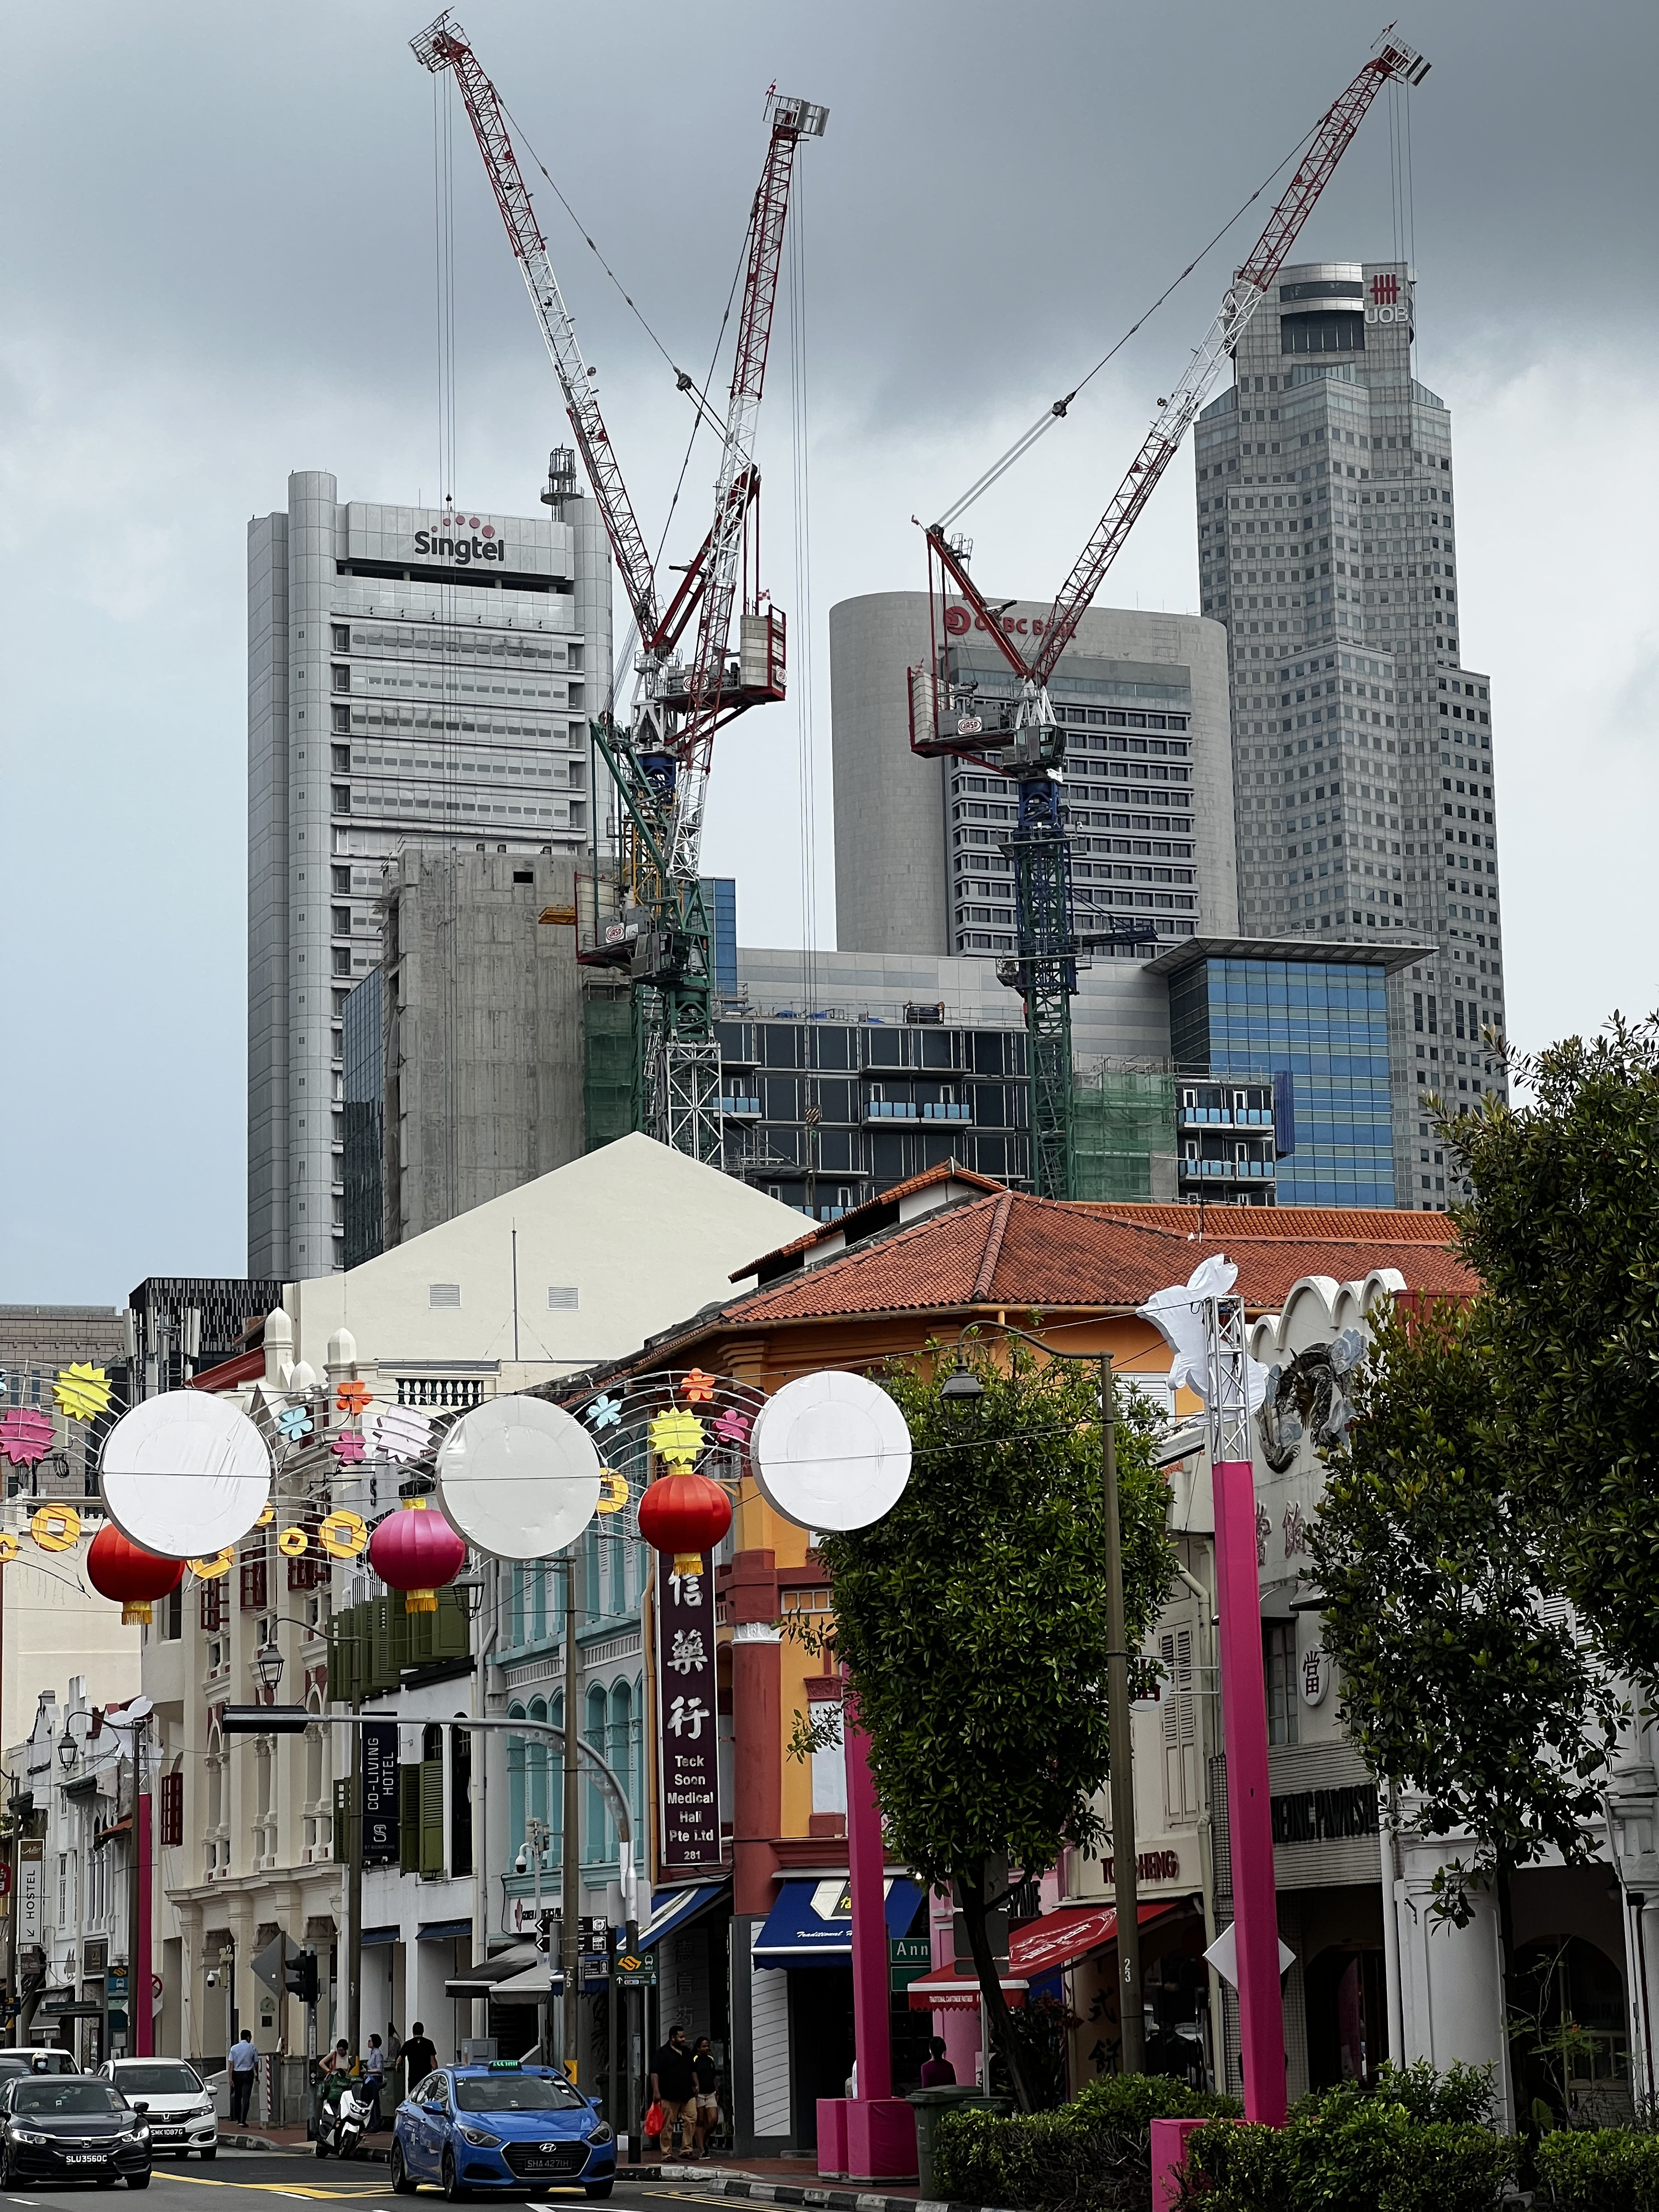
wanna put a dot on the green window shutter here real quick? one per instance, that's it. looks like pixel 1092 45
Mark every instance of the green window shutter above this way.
pixel 452 1638
pixel 432 1815
pixel 341 1819
pixel 409 1819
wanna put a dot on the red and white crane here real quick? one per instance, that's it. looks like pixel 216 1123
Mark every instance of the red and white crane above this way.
pixel 946 718
pixel 661 763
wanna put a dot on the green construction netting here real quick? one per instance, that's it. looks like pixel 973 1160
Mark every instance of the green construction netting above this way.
pixel 1119 1121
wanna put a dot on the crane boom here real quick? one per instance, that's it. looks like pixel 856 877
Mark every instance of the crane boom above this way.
pixel 443 46
pixel 1331 138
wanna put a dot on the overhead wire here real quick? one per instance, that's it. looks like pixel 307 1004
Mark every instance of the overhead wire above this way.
pixel 1057 410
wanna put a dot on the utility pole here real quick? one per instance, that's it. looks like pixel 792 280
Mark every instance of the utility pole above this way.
pixel 1132 2019
pixel 353 1962
pixel 570 1934
pixel 138 1967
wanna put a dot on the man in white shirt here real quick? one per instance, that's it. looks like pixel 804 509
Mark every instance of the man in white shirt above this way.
pixel 244 2064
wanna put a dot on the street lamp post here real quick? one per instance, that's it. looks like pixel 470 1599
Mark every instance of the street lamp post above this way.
pixel 536 1837
pixel 961 1394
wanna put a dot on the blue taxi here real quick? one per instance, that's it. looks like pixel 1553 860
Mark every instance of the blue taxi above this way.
pixel 500 2126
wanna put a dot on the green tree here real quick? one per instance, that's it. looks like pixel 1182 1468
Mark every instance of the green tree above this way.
pixel 972 1620
pixel 1464 1678
pixel 1563 1230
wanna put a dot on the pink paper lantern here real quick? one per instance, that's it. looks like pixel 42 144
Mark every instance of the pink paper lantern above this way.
pixel 416 1551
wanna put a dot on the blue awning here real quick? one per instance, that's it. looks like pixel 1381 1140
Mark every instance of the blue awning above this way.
pixel 672 1908
pixel 811 1922
pixel 442 1932
pixel 393 1935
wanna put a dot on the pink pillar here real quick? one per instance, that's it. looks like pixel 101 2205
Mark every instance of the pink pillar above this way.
pixel 867 1866
pixel 875 2131
pixel 1249 1824
pixel 141 2039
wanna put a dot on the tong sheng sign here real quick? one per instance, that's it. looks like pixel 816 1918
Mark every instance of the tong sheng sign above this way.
pixel 688 1753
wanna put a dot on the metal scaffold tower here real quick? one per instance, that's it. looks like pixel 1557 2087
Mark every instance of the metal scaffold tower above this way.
pixel 947 715
pixel 645 916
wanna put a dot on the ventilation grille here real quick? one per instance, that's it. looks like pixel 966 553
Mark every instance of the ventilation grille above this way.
pixel 561 1297
pixel 443 1294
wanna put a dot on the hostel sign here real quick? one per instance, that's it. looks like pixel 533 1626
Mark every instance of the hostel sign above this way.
pixel 688 1752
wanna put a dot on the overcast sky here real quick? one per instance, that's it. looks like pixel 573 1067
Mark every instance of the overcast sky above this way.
pixel 219 266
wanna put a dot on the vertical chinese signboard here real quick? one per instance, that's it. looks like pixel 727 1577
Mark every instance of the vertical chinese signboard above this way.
pixel 688 1755
pixel 380 1839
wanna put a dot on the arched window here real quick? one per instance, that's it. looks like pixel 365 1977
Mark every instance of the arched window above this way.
pixel 619 1749
pixel 600 1838
pixel 536 1761
pixel 516 1806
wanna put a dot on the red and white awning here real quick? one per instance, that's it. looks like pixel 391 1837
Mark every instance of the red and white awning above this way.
pixel 1041 1947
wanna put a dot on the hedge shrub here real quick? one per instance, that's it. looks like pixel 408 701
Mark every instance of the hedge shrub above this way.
pixel 1093 2154
pixel 1598 2170
pixel 1348 2152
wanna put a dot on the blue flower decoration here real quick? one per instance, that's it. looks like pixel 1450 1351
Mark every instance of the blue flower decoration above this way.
pixel 294 1422
pixel 604 1413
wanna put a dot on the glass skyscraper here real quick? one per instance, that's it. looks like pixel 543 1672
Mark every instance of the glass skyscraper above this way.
pixel 1319 1016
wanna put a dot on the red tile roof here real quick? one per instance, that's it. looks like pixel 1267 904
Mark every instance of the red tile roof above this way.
pixel 1018 1252
pixel 854 1219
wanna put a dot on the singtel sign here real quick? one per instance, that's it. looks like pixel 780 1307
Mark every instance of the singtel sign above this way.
pixel 461 547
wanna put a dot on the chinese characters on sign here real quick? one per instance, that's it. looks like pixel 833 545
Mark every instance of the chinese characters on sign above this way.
pixel 687 1751
pixel 379 1741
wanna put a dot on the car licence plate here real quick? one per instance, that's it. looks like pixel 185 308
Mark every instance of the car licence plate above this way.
pixel 166 2134
pixel 85 2157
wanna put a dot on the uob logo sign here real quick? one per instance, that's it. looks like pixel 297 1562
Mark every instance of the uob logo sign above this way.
pixel 1388 302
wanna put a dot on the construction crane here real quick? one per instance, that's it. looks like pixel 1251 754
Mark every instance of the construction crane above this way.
pixel 650 920
pixel 948 716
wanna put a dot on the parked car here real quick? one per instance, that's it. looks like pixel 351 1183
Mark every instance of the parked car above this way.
pixel 71 2128
pixel 181 2114
pixel 501 2126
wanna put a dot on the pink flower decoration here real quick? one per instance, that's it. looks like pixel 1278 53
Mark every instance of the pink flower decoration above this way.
pixel 732 1428
pixel 348 1447
pixel 25 1436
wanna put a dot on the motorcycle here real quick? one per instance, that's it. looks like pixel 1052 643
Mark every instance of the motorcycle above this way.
pixel 343 2121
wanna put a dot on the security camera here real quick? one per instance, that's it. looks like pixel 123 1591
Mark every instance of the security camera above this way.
pixel 213 1981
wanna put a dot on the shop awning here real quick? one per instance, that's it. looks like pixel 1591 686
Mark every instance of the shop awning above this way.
pixel 484 1979
pixel 442 1932
pixel 1041 1947
pixel 534 1985
pixel 672 1908
pixel 392 1934
pixel 811 1922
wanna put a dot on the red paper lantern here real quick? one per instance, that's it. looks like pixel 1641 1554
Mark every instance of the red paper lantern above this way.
pixel 117 1568
pixel 685 1515
pixel 416 1551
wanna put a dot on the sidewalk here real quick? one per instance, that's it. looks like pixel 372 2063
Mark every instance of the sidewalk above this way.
pixel 259 2136
pixel 791 2181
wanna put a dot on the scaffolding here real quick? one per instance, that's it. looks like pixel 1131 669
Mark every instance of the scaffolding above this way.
pixel 607 1067
pixel 1124 1134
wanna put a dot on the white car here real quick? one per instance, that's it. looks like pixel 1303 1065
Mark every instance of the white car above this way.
pixel 180 2107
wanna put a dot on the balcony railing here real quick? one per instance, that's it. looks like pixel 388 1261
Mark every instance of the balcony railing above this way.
pixel 1229 1170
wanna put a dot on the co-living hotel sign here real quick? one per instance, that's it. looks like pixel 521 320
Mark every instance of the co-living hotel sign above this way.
pixel 688 1751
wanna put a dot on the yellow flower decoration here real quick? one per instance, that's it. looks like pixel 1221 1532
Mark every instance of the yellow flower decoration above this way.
pixel 613 1491
pixel 343 1534
pixel 8 1547
pixel 216 1564
pixel 56 1528
pixel 82 1391
pixel 291 1543
pixel 677 1438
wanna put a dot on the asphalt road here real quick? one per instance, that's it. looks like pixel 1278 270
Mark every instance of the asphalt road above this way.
pixel 262 2181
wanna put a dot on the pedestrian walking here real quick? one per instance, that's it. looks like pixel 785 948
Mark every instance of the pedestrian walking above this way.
pixel 420 2056
pixel 674 2085
pixel 937 2071
pixel 706 2075
pixel 244 2064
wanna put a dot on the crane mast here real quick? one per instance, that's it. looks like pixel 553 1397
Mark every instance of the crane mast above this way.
pixel 656 926
pixel 946 716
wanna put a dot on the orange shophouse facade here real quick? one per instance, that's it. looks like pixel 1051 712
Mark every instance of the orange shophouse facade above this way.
pixel 767 1971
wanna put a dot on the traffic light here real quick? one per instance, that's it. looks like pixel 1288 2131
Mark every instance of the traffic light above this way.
pixel 300 1974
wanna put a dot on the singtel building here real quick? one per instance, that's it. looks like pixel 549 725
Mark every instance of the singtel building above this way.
pixel 415 677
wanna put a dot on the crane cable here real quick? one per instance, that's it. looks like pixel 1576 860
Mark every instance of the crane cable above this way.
pixel 698 396
pixel 1056 412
